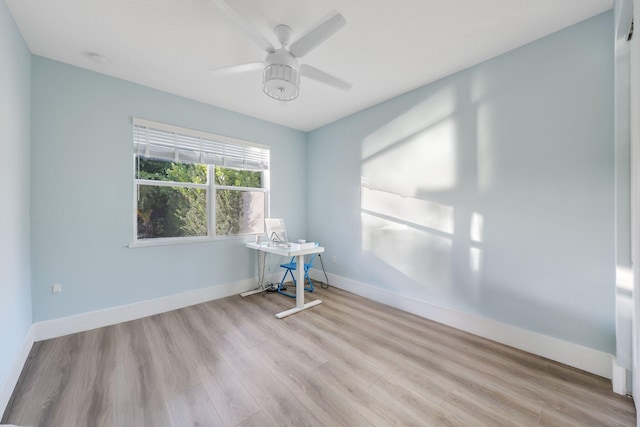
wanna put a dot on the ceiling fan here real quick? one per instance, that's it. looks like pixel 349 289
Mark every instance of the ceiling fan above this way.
pixel 280 69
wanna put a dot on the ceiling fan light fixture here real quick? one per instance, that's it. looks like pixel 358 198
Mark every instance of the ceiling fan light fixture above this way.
pixel 281 72
pixel 281 82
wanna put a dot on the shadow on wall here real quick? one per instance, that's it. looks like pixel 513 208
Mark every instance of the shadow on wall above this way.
pixel 466 201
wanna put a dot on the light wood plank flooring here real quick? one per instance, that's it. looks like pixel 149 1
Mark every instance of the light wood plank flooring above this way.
pixel 347 362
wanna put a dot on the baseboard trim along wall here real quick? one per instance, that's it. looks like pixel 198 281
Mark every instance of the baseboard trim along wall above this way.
pixel 124 313
pixel 587 359
pixel 47 329
pixel 16 370
pixel 619 379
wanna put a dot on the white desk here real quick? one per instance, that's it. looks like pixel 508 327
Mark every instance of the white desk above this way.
pixel 299 254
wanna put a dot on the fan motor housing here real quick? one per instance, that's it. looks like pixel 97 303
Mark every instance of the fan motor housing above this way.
pixel 281 76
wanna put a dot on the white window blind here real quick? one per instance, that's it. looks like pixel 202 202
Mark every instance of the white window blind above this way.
pixel 162 141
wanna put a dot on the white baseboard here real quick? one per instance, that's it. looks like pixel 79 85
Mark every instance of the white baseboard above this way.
pixel 96 319
pixel 110 316
pixel 16 370
pixel 587 359
pixel 578 356
pixel 619 378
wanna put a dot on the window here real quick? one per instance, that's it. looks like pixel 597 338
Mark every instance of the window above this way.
pixel 191 185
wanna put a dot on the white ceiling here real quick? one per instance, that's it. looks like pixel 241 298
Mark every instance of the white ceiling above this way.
pixel 388 47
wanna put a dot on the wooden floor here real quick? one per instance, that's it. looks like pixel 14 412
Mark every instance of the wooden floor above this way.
pixel 347 362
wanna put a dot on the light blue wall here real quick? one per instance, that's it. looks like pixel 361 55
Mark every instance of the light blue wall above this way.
pixel 490 191
pixel 15 127
pixel 82 187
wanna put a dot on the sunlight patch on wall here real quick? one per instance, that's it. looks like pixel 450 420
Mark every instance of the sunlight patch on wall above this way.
pixel 624 316
pixel 420 255
pixel 624 278
pixel 408 209
pixel 475 259
pixel 485 160
pixel 477 227
pixel 435 108
pixel 425 161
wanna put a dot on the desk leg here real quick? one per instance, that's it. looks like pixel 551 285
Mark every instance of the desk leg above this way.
pixel 300 305
pixel 251 292
pixel 300 286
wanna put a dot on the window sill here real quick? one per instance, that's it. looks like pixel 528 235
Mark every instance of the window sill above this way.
pixel 187 240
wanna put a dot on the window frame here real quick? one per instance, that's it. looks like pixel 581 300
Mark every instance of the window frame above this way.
pixel 211 201
pixel 211 189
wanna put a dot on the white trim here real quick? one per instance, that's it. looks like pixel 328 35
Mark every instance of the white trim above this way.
pixel 157 183
pixel 211 192
pixel 619 378
pixel 235 188
pixel 12 379
pixel 167 241
pixel 110 316
pixel 635 201
pixel 584 358
pixel 578 356
pixel 47 329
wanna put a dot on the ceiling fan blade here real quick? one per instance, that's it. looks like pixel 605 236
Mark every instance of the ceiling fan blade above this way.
pixel 317 35
pixel 235 69
pixel 322 77
pixel 252 31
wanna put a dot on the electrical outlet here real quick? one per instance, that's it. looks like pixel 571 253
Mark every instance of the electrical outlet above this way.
pixel 335 260
pixel 56 288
